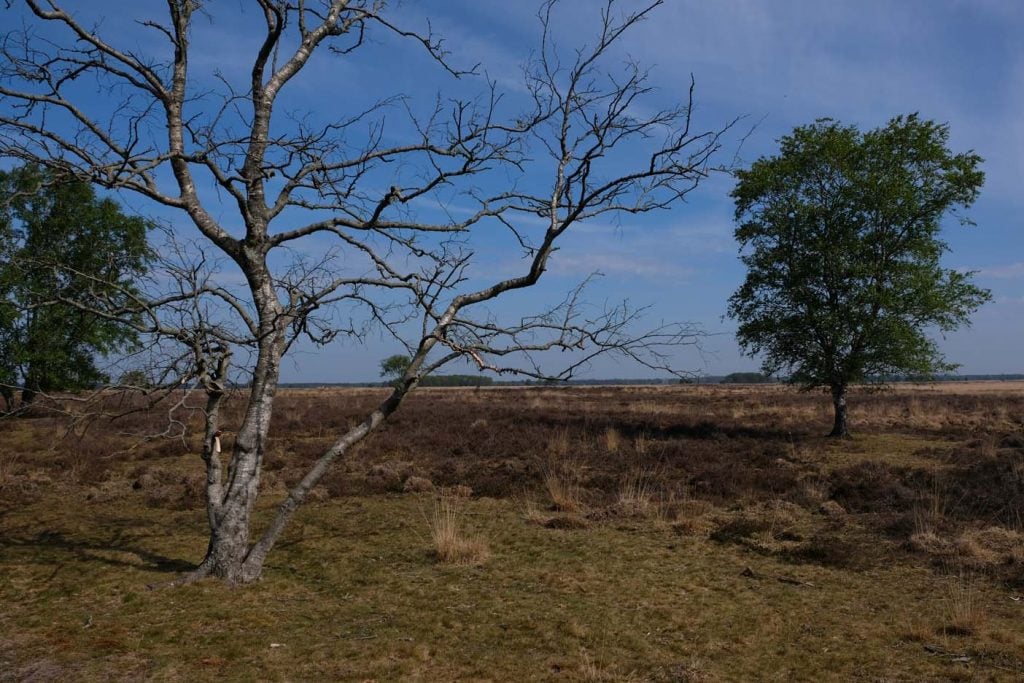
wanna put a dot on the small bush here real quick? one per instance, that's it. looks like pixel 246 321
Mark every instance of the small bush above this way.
pixel 168 448
pixel 168 489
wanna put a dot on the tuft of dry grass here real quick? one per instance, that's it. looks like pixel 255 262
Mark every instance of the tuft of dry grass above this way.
pixel 931 543
pixel 589 670
pixel 561 481
pixel 965 613
pixel 451 543
pixel 8 463
pixel 636 495
pixel 558 445
pixel 532 512
pixel 612 440
pixel 930 509
pixel 641 444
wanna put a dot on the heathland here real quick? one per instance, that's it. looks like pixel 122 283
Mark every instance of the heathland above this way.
pixel 667 533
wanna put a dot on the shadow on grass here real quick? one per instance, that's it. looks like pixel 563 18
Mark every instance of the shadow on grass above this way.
pixel 91 551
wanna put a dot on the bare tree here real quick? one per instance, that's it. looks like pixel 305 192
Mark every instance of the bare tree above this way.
pixel 585 146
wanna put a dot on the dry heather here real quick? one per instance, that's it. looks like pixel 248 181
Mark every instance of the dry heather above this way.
pixel 644 533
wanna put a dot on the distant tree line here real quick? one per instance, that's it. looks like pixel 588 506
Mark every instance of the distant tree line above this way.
pixel 393 368
pixel 746 378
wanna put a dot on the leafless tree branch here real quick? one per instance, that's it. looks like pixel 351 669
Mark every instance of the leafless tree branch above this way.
pixel 389 225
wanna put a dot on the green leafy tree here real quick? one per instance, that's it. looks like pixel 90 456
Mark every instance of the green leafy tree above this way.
pixel 136 379
pixel 840 236
pixel 62 244
pixel 393 368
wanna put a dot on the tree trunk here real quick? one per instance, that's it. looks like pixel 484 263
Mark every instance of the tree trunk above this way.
pixel 30 389
pixel 839 425
pixel 230 501
pixel 297 496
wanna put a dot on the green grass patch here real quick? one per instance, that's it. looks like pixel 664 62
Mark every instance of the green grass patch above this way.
pixel 355 592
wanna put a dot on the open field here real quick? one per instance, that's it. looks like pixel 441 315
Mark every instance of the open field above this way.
pixel 691 533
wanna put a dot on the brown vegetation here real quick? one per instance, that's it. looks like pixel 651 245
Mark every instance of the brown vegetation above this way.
pixel 674 490
pixel 451 542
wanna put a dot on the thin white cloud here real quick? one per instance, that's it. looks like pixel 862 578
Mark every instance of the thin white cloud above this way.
pixel 619 264
pixel 1009 271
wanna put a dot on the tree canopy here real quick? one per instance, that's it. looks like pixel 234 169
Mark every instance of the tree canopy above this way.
pixel 61 243
pixel 393 367
pixel 840 234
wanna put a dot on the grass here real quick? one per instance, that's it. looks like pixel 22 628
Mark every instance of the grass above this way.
pixel 930 509
pixel 561 483
pixel 965 613
pixel 612 440
pixel 451 542
pixel 748 580
pixel 636 496
pixel 532 511
pixel 351 595
pixel 8 464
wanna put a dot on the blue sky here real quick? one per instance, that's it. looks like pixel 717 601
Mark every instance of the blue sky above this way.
pixel 778 64
pixel 782 64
